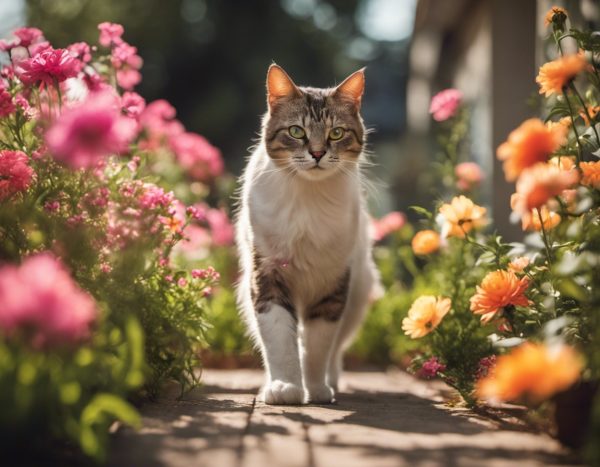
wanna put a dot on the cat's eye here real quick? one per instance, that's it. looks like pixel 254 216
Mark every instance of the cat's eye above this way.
pixel 336 133
pixel 296 132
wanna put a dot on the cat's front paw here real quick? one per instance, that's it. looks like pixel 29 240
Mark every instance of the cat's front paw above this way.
pixel 322 394
pixel 279 392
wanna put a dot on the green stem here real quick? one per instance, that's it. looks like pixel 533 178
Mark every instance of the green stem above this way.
pixel 579 151
pixel 587 113
pixel 545 236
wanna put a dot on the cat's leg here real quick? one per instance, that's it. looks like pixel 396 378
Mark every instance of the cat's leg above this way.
pixel 318 336
pixel 321 325
pixel 278 332
pixel 364 288
pixel 277 328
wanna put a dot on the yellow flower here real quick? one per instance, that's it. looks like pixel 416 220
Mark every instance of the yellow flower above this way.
pixel 425 315
pixel 425 242
pixel 531 371
pixel 461 215
pixel 529 144
pixel 591 174
pixel 498 290
pixel 557 74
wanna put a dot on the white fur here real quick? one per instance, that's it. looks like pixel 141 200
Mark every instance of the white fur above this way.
pixel 320 226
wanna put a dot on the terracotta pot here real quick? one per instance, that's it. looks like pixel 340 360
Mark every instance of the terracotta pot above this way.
pixel 573 409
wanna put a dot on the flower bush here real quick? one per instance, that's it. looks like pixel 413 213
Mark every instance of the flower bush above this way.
pixel 518 322
pixel 105 231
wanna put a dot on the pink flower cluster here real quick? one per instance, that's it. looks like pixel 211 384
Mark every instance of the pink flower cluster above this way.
pixel 83 135
pixel 445 104
pixel 124 57
pixel 206 274
pixel 389 223
pixel 15 173
pixel 40 299
pixel 431 368
pixel 201 159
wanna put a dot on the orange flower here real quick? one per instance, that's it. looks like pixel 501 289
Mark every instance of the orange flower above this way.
pixel 425 242
pixel 591 174
pixel 498 290
pixel 538 184
pixel 557 74
pixel 530 220
pixel 425 315
pixel 462 215
pixel 532 371
pixel 592 110
pixel 519 264
pixel 555 13
pixel 564 122
pixel 529 144
pixel 563 162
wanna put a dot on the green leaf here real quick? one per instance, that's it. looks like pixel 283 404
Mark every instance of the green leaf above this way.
pixel 422 211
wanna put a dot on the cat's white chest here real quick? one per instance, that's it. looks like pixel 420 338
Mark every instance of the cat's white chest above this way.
pixel 309 231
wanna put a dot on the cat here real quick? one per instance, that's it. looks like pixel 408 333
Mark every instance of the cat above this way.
pixel 302 230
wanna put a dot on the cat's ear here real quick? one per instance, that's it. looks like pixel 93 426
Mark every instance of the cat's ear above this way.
pixel 279 85
pixel 352 87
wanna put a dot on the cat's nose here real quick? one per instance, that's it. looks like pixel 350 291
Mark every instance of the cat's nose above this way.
pixel 317 154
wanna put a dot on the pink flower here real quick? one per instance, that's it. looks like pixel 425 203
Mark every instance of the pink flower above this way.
pixel 430 368
pixel 468 175
pixel 444 104
pixel 128 78
pixel 15 173
pixel 110 34
pixel 220 227
pixel 125 60
pixel 7 46
pixel 126 54
pixel 81 51
pixel 155 197
pixel 182 282
pixel 200 158
pixel 38 47
pixel 208 273
pixel 158 119
pixel 28 36
pixel 52 206
pixel 133 104
pixel 197 212
pixel 40 299
pixel 48 66
pixel 7 106
pixel 389 223
pixel 83 135
pixel 486 365
pixel 196 243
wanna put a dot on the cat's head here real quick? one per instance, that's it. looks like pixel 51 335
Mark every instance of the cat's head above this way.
pixel 315 132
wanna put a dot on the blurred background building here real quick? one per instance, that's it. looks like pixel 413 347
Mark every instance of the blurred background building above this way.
pixel 209 59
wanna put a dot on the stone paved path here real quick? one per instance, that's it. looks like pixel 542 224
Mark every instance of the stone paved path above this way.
pixel 380 419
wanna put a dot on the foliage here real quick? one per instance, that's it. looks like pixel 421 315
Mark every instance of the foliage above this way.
pixel 98 302
pixel 540 296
